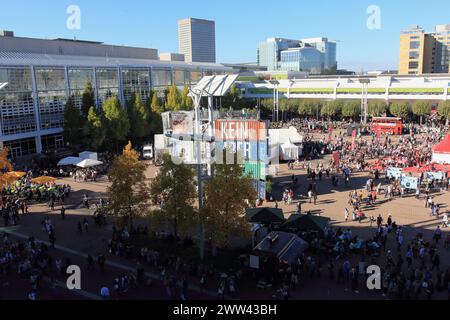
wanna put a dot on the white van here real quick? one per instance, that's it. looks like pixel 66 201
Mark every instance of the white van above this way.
pixel 147 152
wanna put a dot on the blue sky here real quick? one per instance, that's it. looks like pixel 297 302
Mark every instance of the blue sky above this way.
pixel 240 24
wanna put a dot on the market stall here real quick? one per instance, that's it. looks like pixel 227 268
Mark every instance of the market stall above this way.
pixel 69 161
pixel 89 163
pixel 43 180
pixel 441 151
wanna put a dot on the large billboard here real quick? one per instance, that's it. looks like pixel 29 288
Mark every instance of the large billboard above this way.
pixel 241 130
pixel 178 122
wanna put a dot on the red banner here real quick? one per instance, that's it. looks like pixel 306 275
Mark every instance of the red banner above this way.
pixel 354 140
pixel 336 158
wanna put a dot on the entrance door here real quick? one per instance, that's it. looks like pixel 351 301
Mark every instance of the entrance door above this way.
pixel 16 152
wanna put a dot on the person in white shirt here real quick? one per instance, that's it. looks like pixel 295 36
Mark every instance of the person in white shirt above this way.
pixel 445 220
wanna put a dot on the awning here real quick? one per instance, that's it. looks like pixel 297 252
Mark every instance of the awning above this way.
pixel 443 146
pixel 89 163
pixel 302 222
pixel 69 161
pixel 264 216
pixel 284 246
pixel 43 180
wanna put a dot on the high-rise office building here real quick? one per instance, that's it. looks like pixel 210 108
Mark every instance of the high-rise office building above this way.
pixel 305 59
pixel 327 48
pixel 424 52
pixel 197 40
pixel 277 54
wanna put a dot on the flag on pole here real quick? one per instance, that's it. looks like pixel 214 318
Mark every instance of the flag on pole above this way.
pixel 336 158
pixel 354 140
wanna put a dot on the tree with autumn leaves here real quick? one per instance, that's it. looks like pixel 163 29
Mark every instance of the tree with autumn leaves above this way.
pixel 175 189
pixel 5 165
pixel 128 192
pixel 227 195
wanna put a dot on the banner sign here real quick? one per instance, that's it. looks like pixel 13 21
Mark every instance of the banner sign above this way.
pixel 354 133
pixel 434 175
pixel 330 135
pixel 393 172
pixel 410 182
pixel 336 158
pixel 240 130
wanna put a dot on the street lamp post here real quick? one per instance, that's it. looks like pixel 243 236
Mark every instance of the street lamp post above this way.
pixel 276 98
pixel 364 99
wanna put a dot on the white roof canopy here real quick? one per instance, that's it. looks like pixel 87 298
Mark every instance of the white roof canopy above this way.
pixel 69 161
pixel 88 163
pixel 216 86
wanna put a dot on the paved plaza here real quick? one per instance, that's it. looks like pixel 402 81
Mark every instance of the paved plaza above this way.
pixel 408 212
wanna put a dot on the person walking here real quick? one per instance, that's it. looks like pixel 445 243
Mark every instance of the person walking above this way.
pixel 86 225
pixel 346 214
pixel 79 227
pixel 63 213
pixel 51 237
pixel 437 235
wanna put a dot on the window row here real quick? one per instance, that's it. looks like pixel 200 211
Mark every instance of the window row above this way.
pixel 48 79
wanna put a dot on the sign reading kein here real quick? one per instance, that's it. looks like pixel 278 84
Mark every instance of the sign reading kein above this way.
pixel 250 130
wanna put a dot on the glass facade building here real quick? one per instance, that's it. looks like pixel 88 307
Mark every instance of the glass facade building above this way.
pixel 269 53
pixel 34 89
pixel 307 59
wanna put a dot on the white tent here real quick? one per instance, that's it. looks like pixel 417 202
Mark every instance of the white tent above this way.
pixel 88 163
pixel 289 151
pixel 441 152
pixel 69 161
pixel 280 136
pixel 89 155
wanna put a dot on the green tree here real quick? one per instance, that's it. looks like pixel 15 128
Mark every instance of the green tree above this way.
pixel 156 104
pixel 155 121
pixel 88 99
pixel 332 108
pixel 226 198
pixel 139 116
pixel 173 99
pixel 233 99
pixel 307 108
pixel 73 123
pixel 444 110
pixel 94 130
pixel 284 106
pixel 128 192
pixel 377 108
pixel 351 109
pixel 186 101
pixel 421 109
pixel 400 109
pixel 116 121
pixel 175 187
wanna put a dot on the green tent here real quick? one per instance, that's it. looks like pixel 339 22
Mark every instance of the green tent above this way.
pixel 302 222
pixel 265 216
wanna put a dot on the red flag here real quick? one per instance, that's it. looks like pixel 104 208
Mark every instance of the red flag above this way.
pixel 336 158
pixel 354 140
